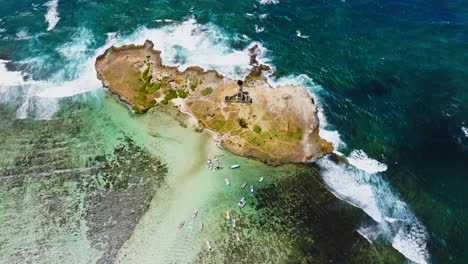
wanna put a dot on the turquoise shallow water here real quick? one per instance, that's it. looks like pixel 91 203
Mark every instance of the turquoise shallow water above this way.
pixel 390 75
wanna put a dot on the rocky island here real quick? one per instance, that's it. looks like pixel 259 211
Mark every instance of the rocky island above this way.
pixel 248 117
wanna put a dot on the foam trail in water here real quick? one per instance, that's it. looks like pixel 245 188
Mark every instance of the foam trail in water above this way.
pixel 360 160
pixel 361 184
pixel 268 2
pixel 52 15
pixel 299 34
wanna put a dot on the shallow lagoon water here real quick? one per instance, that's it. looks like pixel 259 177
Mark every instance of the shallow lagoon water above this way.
pixel 79 203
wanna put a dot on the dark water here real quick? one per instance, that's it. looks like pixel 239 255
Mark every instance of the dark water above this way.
pixel 393 74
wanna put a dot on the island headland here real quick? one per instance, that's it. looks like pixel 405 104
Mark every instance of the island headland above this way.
pixel 248 117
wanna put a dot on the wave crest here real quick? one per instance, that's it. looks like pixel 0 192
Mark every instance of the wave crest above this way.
pixel 52 15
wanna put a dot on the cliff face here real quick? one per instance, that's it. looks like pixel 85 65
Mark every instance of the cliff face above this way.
pixel 279 126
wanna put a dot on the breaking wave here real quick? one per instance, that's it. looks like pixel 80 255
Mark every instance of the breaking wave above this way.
pixel 182 44
pixel 268 2
pixel 52 15
pixel 360 182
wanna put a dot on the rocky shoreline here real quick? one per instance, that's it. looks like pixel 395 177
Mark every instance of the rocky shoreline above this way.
pixel 275 125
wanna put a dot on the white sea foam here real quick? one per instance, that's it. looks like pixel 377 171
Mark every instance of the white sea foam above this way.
pixel 351 185
pixel 80 68
pixel 182 44
pixel 360 160
pixel 465 131
pixel 23 34
pixel 9 77
pixel 361 184
pixel 299 34
pixel 268 2
pixel 15 87
pixel 412 243
pixel 189 43
pixel 52 15
pixel 259 29
pixel 39 99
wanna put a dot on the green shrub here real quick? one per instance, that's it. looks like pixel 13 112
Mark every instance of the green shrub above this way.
pixel 141 95
pixel 145 73
pixel 206 91
pixel 242 122
pixel 182 93
pixel 164 101
pixel 171 94
pixel 153 87
pixel 257 129
pixel 136 109
pixel 193 86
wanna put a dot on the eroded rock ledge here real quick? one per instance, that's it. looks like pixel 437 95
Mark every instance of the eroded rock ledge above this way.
pixel 279 126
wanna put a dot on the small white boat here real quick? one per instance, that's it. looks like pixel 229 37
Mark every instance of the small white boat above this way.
pixel 233 223
pixel 200 226
pixel 181 224
pixel 220 154
pixel 228 216
pixel 208 245
pixel 242 202
pixel 244 184
pixel 226 180
pixel 195 214
pixel 251 188
pixel 237 236
pixel 261 179
pixel 235 166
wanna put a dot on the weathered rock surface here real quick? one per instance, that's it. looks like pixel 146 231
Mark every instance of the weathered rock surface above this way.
pixel 279 126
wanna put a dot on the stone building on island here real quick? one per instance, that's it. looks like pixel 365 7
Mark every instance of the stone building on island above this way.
pixel 240 97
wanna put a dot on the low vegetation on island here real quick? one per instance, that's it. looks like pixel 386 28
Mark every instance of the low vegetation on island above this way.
pixel 276 125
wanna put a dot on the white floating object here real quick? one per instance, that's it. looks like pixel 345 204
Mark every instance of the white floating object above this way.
pixel 235 166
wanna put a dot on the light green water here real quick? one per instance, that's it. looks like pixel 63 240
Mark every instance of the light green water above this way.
pixel 190 185
pixel 101 184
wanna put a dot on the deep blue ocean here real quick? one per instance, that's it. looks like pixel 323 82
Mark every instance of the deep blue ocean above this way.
pixel 391 78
